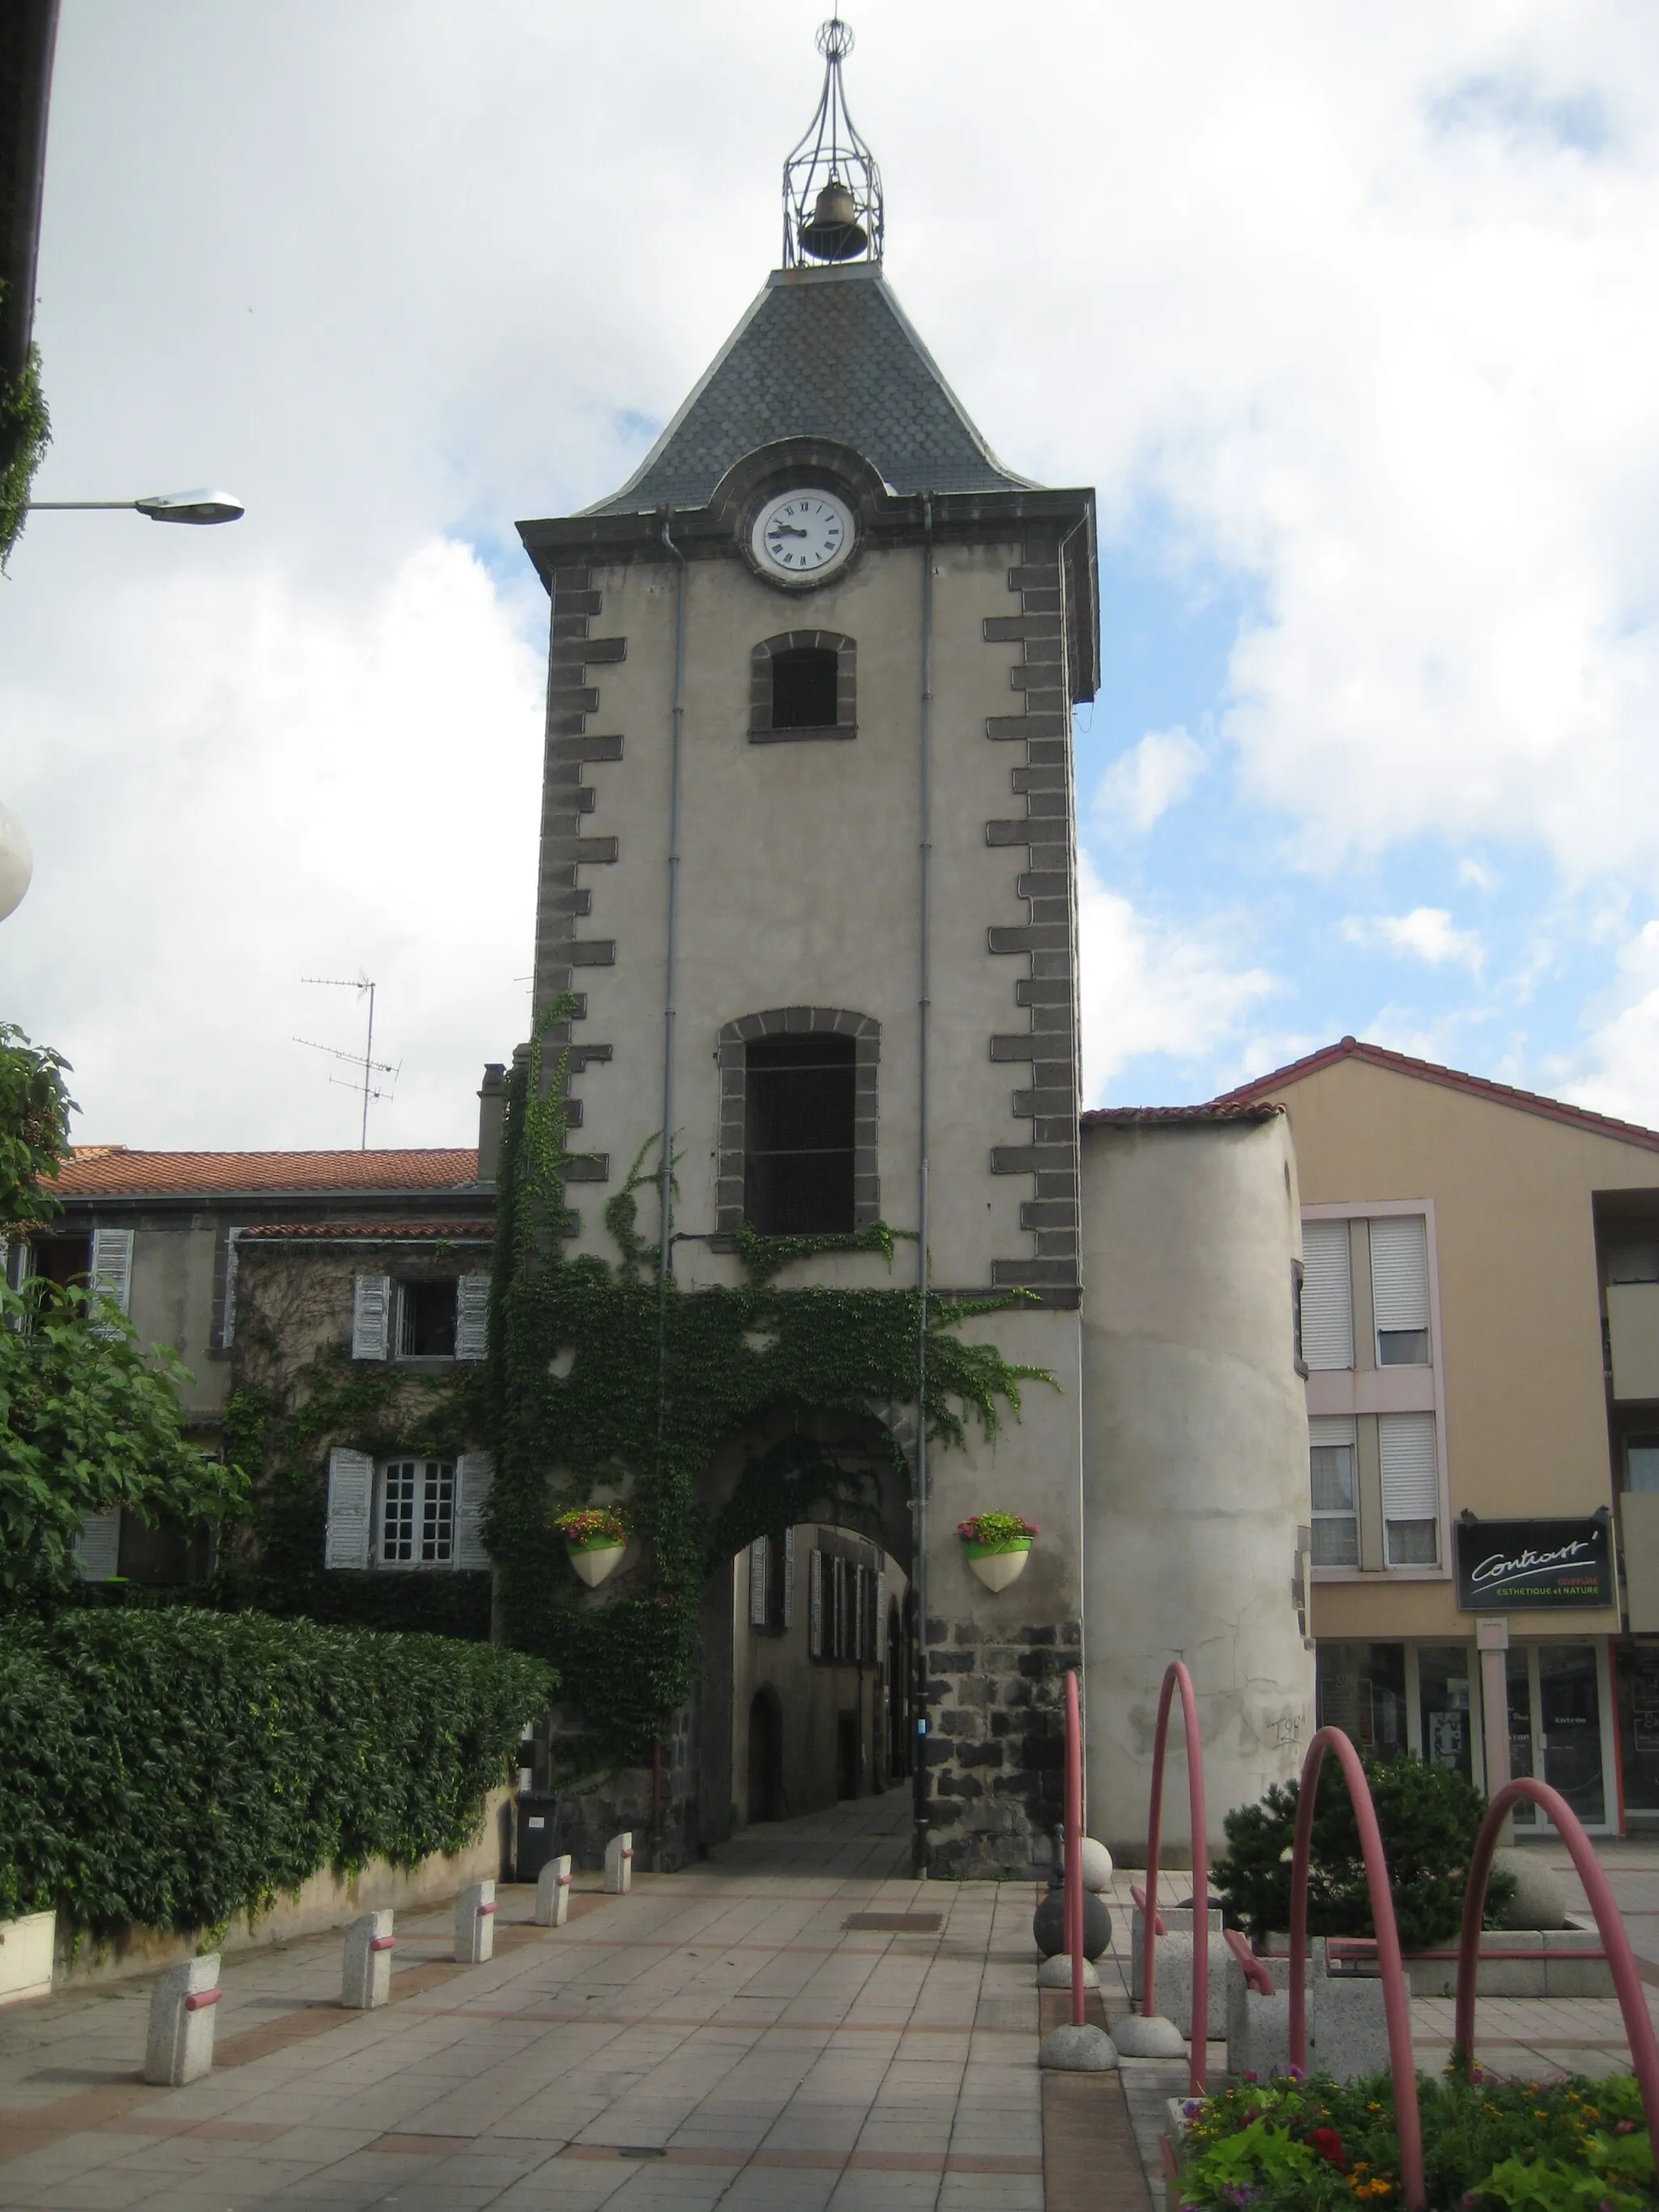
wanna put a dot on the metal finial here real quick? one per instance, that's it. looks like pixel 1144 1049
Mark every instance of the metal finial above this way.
pixel 832 203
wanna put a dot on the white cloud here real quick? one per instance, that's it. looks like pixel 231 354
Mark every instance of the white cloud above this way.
pixel 250 789
pixel 1147 988
pixel 1477 875
pixel 1143 784
pixel 1358 301
pixel 1426 933
pixel 1623 1077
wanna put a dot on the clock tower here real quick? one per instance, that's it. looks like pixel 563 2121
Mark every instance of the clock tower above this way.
pixel 808 864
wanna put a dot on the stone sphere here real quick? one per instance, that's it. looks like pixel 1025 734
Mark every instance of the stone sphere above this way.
pixel 1539 1901
pixel 1048 1925
pixel 1055 1973
pixel 1096 1864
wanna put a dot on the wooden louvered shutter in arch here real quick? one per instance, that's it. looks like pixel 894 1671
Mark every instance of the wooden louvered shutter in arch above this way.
pixel 788 1614
pixel 98 1551
pixel 371 1317
pixel 471 1316
pixel 815 1603
pixel 759 1595
pixel 351 1509
pixel 474 1475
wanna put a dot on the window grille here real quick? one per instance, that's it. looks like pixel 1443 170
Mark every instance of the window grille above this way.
pixel 804 688
pixel 417 1513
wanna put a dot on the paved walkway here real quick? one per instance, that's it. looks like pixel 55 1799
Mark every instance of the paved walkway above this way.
pixel 740 2035
pixel 720 2037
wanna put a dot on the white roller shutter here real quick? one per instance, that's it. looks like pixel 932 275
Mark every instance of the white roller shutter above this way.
pixel 1327 1296
pixel 371 1317
pixel 98 1554
pixel 471 1316
pixel 759 1552
pixel 110 1274
pixel 474 1473
pixel 1411 1488
pixel 1400 1271
pixel 351 1509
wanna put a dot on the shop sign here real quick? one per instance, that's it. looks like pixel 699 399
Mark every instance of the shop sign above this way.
pixel 1511 1566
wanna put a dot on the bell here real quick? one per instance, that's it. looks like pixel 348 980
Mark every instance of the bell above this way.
pixel 834 233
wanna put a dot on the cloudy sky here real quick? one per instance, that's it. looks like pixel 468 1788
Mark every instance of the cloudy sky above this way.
pixel 1349 312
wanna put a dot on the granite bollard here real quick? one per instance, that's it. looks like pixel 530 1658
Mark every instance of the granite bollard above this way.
pixel 619 1864
pixel 553 1893
pixel 366 1981
pixel 475 1925
pixel 179 2046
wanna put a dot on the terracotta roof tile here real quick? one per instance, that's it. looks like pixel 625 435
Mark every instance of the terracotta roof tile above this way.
pixel 1451 1078
pixel 368 1232
pixel 1213 1110
pixel 114 1171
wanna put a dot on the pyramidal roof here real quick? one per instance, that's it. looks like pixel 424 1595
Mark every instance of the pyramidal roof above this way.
pixel 822 353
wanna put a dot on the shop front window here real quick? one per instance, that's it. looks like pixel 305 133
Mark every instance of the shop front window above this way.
pixel 1639 1727
pixel 1555 1726
pixel 1362 1691
pixel 1442 1683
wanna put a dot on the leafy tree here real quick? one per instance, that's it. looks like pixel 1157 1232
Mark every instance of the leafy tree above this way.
pixel 34 1111
pixel 1429 1817
pixel 88 1421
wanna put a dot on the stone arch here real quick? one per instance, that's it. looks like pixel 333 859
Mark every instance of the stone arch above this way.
pixel 735 1037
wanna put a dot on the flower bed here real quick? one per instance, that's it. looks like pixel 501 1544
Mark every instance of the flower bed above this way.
pixel 1298 2144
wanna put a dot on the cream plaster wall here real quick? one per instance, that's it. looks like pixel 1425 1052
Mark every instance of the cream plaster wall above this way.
pixel 799 881
pixel 1520 1308
pixel 1196 1464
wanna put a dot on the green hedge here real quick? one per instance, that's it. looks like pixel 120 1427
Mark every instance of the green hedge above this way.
pixel 456 1604
pixel 171 1767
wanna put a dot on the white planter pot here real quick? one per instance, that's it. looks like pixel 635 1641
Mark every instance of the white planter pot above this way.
pixel 996 1570
pixel 597 1564
pixel 26 1951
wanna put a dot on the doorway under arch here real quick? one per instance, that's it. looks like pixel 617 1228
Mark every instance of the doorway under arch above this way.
pixel 765 1756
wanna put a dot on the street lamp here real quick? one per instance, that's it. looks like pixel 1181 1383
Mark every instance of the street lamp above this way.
pixel 161 506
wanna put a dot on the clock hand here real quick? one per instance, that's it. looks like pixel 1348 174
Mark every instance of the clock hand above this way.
pixel 784 530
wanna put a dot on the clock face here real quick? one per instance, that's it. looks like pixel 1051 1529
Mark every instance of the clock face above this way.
pixel 801 536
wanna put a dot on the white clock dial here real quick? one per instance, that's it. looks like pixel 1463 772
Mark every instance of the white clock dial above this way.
pixel 801 536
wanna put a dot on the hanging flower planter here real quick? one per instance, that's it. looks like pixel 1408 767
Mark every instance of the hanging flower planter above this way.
pixel 594 1542
pixel 996 1547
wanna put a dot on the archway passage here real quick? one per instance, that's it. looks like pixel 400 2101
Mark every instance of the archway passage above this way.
pixel 765 1756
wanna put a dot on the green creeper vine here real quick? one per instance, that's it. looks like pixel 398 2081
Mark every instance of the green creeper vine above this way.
pixel 580 1403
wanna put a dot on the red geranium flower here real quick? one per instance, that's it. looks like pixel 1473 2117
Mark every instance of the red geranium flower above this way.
pixel 1327 2144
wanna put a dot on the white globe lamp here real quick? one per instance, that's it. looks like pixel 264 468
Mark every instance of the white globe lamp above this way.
pixel 16 862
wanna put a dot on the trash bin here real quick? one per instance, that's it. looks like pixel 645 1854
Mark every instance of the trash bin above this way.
pixel 533 1842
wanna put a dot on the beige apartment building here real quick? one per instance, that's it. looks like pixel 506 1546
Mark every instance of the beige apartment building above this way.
pixel 1480 1332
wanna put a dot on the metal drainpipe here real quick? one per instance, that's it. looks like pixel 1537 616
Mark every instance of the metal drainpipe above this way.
pixel 664 1175
pixel 924 1008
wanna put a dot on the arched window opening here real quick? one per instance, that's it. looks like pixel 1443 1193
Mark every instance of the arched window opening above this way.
pixel 799 1138
pixel 804 688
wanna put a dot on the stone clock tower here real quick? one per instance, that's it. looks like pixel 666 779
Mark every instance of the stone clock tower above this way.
pixel 808 858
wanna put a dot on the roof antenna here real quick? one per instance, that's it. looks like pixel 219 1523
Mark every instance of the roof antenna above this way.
pixel 365 1060
pixel 832 204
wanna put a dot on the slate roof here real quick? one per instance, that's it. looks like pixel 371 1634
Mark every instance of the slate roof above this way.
pixel 822 353
pixel 1449 1078
pixel 1100 1117
pixel 114 1171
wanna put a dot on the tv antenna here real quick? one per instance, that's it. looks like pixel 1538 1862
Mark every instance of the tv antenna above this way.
pixel 364 1060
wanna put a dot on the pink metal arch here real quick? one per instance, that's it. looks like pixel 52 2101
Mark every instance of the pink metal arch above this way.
pixel 1396 2002
pixel 1638 2027
pixel 1176 1674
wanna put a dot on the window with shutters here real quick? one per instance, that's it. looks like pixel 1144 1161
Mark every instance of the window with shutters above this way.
pixel 417 1513
pixel 420 1316
pixel 425 1319
pixel 772 1583
pixel 1400 1289
pixel 1408 1455
pixel 1331 1454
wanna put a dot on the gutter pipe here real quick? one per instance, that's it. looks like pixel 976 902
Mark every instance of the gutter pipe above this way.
pixel 924 1009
